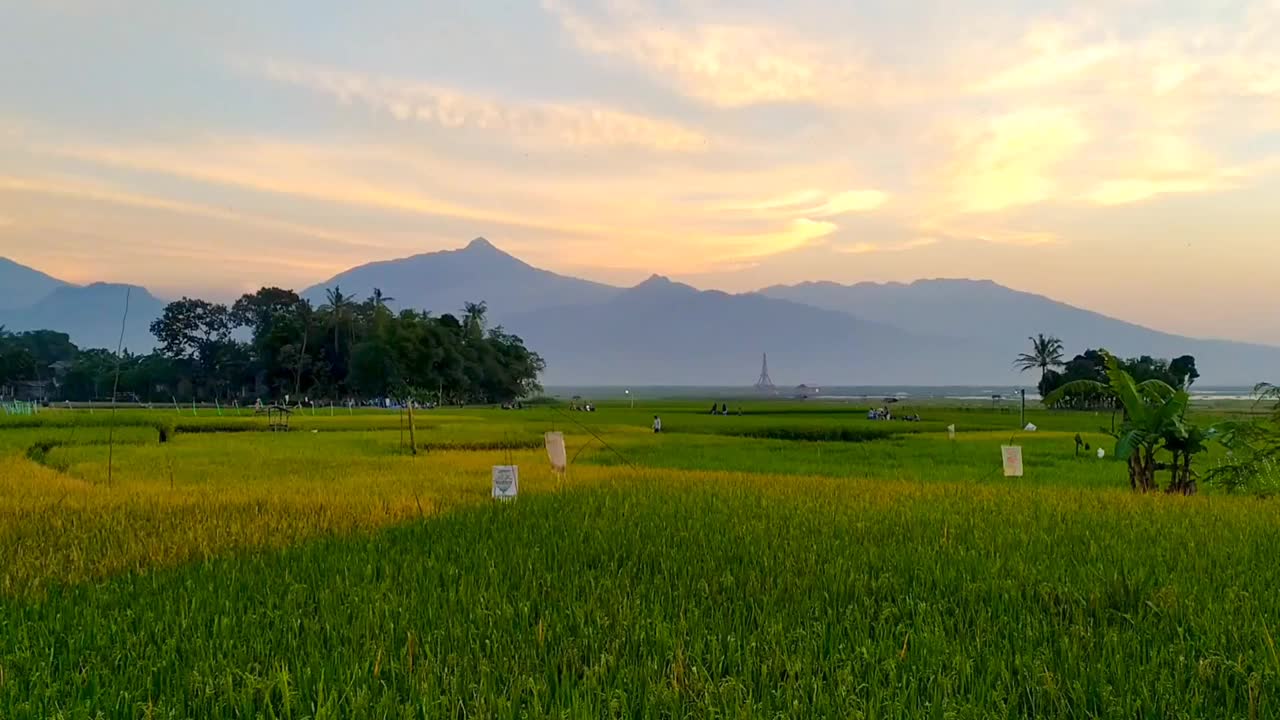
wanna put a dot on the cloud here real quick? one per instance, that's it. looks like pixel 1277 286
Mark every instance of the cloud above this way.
pixel 867 248
pixel 1165 164
pixel 728 65
pixel 1013 159
pixel 539 123
pixel 797 234
pixel 1047 58
pixel 97 192
pixel 644 221
pixel 1131 190
pixel 811 203
pixel 962 229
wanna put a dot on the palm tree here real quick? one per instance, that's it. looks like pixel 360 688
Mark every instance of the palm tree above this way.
pixel 473 320
pixel 338 306
pixel 1046 353
pixel 378 300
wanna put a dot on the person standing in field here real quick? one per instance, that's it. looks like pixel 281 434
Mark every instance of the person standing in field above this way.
pixel 657 424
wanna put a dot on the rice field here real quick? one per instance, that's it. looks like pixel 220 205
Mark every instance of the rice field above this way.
pixel 794 561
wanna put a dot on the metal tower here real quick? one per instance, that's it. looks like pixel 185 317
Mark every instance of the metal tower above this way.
pixel 764 384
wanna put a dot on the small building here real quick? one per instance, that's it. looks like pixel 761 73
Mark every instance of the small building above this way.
pixel 33 390
pixel 804 391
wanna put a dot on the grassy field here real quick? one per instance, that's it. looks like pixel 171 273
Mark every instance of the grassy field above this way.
pixel 794 561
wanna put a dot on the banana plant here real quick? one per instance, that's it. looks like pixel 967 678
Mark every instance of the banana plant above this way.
pixel 1154 417
pixel 1253 449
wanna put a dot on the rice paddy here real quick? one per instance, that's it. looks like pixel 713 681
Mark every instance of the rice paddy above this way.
pixel 795 561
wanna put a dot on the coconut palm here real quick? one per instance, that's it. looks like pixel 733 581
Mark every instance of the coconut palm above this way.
pixel 1046 353
pixel 338 308
pixel 378 300
pixel 473 318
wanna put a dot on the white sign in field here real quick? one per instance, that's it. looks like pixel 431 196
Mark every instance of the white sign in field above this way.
pixel 1012 460
pixel 556 452
pixel 506 481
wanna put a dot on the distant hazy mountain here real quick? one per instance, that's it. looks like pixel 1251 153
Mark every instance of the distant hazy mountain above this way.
pixel 931 332
pixel 1002 318
pixel 442 281
pixel 91 315
pixel 21 286
pixel 661 332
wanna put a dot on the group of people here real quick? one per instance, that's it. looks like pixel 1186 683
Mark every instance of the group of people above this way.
pixel 723 409
pixel 885 413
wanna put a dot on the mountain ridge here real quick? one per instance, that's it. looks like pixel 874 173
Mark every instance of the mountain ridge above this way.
pixel 24 285
pixel 933 331
pixel 441 281
pixel 92 314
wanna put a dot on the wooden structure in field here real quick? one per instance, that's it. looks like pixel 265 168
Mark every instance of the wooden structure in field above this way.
pixel 277 417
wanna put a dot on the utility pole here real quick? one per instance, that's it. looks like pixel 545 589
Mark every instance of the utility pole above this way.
pixel 1024 407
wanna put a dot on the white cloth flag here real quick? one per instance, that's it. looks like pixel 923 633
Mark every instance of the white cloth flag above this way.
pixel 506 481
pixel 556 452
pixel 1012 460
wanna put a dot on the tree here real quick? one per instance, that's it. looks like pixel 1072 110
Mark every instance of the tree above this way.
pixel 1046 353
pixel 189 327
pixel 279 320
pixel 378 300
pixel 259 311
pixel 16 364
pixel 338 308
pixel 473 319
pixel 350 349
pixel 1184 372
pixel 1155 418
pixel 90 375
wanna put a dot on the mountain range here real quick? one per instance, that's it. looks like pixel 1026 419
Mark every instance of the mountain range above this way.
pixel 443 281
pixel 90 314
pixel 929 332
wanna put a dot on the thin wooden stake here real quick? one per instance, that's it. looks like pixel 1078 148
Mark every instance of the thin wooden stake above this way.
pixel 115 387
pixel 413 442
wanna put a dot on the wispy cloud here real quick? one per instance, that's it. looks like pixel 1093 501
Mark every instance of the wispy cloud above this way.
pixel 798 233
pixel 642 226
pixel 563 124
pixel 93 191
pixel 730 65
pixel 815 140
pixel 811 203
pixel 1165 164
pixel 867 248
pixel 966 229
pixel 1049 57
pixel 1013 159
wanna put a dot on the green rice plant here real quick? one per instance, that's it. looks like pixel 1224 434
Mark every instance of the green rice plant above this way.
pixel 326 572
pixel 691 595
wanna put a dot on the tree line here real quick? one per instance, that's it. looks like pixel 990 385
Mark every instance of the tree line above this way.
pixel 1092 366
pixel 273 343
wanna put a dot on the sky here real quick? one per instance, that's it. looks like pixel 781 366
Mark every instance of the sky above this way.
pixel 1123 155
